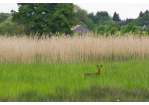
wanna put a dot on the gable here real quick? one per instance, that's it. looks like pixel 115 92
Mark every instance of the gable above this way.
pixel 81 28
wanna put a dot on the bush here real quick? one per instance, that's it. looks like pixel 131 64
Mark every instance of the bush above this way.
pixel 101 29
pixel 129 27
pixel 11 28
pixel 113 30
pixel 3 17
pixel 135 29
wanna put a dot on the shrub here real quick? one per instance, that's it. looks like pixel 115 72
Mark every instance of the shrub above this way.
pixel 129 27
pixel 101 29
pixel 11 28
pixel 113 30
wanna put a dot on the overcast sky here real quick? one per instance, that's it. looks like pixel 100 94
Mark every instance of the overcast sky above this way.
pixel 125 9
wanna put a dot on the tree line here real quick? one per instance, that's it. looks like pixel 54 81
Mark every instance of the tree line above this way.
pixel 48 18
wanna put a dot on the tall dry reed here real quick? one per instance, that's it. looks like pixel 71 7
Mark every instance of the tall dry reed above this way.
pixel 73 49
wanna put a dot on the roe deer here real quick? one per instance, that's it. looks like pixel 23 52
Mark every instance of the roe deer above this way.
pixel 98 73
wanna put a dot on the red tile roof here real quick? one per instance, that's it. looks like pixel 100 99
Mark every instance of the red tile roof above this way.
pixel 75 27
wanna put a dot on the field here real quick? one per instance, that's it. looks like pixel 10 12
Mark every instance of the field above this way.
pixel 51 69
pixel 119 81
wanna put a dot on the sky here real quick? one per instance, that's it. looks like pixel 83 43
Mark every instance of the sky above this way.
pixel 125 9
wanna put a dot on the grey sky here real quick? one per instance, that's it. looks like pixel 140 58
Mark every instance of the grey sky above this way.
pixel 7 7
pixel 125 10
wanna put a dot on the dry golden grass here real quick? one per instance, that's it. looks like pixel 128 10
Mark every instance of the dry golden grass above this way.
pixel 73 49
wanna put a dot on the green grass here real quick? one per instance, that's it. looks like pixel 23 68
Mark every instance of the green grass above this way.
pixel 123 81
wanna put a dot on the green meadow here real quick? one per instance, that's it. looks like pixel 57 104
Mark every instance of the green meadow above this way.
pixel 54 82
pixel 47 69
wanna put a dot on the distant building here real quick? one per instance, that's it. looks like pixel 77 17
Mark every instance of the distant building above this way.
pixel 81 28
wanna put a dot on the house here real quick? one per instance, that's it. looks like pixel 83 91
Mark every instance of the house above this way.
pixel 81 28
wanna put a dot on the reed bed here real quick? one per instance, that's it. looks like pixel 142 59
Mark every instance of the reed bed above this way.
pixel 73 49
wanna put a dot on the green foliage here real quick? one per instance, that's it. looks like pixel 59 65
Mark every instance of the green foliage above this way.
pixel 3 17
pixel 141 14
pixel 129 27
pixel 94 29
pixel 89 23
pixel 129 20
pixel 123 29
pixel 141 32
pixel 81 14
pixel 101 29
pixel 46 17
pixel 103 18
pixel 100 18
pixel 140 27
pixel 121 23
pixel 9 19
pixel 148 31
pixel 104 29
pixel 11 28
pixel 117 25
pixel 113 30
pixel 116 17
pixel 105 21
pixel 91 16
pixel 141 21
pixel 61 17
pixel 135 29
pixel 82 23
pixel 138 21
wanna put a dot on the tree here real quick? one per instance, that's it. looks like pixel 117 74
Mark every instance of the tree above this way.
pixel 146 11
pixel 103 18
pixel 46 17
pixel 91 16
pixel 138 21
pixel 116 17
pixel 117 25
pixel 81 14
pixel 129 20
pixel 141 14
pixel 129 27
pixel 89 23
pixel 3 17
pixel 141 21
pixel 145 19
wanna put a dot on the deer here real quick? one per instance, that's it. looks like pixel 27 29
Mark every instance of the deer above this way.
pixel 94 74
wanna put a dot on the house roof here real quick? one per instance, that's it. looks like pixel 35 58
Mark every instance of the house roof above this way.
pixel 75 27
